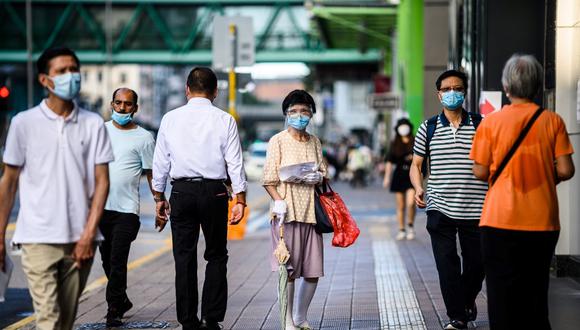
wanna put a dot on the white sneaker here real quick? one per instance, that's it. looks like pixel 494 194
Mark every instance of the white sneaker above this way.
pixel 410 233
pixel 401 235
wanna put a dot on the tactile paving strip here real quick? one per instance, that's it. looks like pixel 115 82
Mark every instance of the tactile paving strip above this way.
pixel 398 306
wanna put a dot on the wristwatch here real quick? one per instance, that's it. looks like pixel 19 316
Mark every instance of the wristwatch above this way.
pixel 158 199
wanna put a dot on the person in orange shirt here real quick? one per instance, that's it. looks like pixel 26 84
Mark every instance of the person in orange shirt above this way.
pixel 519 222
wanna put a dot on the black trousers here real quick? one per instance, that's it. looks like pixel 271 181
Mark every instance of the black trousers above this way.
pixel 195 204
pixel 517 268
pixel 458 286
pixel 119 230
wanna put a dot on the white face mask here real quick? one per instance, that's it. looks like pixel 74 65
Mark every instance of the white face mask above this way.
pixel 404 130
pixel 67 85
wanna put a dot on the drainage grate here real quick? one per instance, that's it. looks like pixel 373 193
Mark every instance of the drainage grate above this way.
pixel 129 325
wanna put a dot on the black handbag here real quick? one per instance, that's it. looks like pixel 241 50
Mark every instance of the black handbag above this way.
pixel 323 224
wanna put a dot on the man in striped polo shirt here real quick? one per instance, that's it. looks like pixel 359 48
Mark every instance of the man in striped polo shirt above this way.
pixel 454 198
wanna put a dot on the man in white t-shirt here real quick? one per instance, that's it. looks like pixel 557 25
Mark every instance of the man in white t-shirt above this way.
pixel 57 157
pixel 133 148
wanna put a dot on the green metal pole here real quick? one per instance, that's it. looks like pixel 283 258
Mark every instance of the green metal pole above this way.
pixel 15 18
pixel 134 19
pixel 200 23
pixel 93 26
pixel 59 25
pixel 161 27
pixel 264 37
pixel 410 57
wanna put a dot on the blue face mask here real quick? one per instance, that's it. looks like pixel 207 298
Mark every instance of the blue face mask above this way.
pixel 452 100
pixel 66 86
pixel 299 122
pixel 121 118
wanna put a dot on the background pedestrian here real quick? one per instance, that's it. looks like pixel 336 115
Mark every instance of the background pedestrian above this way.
pixel 133 148
pixel 454 198
pixel 57 157
pixel 400 157
pixel 520 223
pixel 293 203
pixel 360 161
pixel 198 146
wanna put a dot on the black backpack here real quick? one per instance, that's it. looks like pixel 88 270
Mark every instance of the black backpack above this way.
pixel 431 126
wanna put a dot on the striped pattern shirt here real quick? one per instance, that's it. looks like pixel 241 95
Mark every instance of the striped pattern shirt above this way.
pixel 452 189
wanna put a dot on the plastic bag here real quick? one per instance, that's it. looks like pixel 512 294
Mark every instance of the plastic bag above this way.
pixel 345 229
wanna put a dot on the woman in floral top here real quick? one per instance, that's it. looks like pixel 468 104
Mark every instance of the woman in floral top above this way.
pixel 293 203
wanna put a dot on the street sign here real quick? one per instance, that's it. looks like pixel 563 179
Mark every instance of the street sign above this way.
pixel 242 79
pixel 384 101
pixel 489 102
pixel 222 45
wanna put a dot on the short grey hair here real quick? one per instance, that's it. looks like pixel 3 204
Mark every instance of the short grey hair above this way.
pixel 522 76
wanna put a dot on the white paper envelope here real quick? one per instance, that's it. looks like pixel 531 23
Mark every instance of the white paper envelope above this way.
pixel 295 173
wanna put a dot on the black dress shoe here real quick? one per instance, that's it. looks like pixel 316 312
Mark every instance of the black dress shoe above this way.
pixel 211 325
pixel 114 320
pixel 471 313
pixel 115 314
pixel 125 307
pixel 190 327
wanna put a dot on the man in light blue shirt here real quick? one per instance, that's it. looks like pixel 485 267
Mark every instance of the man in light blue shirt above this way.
pixel 133 148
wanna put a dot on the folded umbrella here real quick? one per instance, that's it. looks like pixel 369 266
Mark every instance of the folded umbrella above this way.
pixel 282 255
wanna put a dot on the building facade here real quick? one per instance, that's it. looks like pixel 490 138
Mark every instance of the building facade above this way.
pixel 485 33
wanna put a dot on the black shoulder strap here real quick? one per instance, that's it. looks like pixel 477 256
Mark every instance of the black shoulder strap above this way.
pixel 475 119
pixel 431 126
pixel 516 144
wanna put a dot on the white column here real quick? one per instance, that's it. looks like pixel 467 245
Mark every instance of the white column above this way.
pixel 568 106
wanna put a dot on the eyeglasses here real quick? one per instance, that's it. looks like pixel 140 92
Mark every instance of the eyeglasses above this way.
pixel 460 89
pixel 299 111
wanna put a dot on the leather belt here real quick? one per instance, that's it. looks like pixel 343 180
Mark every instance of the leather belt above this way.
pixel 196 179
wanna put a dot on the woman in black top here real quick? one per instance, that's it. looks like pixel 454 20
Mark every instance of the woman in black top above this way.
pixel 401 155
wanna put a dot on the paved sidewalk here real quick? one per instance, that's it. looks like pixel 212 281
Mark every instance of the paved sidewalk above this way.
pixel 378 283
pixel 347 297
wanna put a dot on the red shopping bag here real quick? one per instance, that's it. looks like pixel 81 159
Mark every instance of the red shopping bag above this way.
pixel 345 229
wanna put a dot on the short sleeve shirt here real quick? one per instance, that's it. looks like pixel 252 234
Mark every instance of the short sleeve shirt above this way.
pixel 133 150
pixel 524 195
pixel 57 157
pixel 452 189
pixel 284 150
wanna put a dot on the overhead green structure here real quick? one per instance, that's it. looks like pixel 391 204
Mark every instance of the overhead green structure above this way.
pixel 366 26
pixel 410 57
pixel 360 27
pixel 159 31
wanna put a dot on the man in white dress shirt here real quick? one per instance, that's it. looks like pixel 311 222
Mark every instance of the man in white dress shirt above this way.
pixel 57 157
pixel 133 148
pixel 198 147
